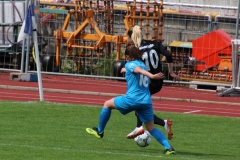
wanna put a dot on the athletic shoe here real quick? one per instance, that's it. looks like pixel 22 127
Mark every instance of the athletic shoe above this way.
pixel 168 128
pixel 94 131
pixel 136 132
pixel 169 151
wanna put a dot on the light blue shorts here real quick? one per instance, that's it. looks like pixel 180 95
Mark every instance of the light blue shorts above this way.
pixel 125 105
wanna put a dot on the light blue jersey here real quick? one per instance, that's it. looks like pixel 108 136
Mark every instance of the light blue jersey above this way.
pixel 137 84
pixel 138 96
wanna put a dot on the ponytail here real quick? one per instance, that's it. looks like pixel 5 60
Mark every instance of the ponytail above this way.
pixel 136 36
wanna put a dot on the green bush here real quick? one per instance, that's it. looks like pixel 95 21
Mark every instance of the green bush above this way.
pixel 68 66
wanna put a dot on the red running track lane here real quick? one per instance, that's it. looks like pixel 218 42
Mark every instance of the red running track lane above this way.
pixel 159 105
pixel 113 86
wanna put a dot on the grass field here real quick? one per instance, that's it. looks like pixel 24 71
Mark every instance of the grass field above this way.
pixel 45 131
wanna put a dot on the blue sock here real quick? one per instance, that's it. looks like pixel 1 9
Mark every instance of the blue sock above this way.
pixel 104 117
pixel 159 136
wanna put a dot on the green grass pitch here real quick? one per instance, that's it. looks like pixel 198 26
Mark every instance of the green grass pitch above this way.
pixel 48 131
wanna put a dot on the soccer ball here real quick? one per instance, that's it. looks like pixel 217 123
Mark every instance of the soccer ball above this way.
pixel 144 139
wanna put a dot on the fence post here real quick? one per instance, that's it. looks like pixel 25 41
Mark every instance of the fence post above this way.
pixel 236 36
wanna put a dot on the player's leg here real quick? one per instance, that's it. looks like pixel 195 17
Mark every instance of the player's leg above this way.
pixel 146 116
pixel 156 87
pixel 159 121
pixel 139 123
pixel 138 130
pixel 159 136
pixel 167 124
pixel 103 119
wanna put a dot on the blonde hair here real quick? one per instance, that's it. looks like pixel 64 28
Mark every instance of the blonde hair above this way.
pixel 136 36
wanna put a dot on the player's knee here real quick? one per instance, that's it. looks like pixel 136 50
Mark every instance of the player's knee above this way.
pixel 149 126
pixel 109 104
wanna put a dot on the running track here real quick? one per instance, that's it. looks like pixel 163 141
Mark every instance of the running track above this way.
pixel 95 92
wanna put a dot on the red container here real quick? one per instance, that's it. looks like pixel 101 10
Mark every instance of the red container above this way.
pixel 206 49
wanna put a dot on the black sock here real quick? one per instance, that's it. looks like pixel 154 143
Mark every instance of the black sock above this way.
pixel 139 123
pixel 158 121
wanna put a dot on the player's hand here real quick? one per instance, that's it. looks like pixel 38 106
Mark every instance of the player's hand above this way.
pixel 158 76
pixel 123 70
pixel 175 76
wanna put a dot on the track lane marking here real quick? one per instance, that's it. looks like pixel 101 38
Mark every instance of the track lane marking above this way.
pixel 194 111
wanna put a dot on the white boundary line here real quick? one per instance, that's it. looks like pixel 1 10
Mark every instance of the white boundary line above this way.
pixel 79 150
pixel 194 111
pixel 101 152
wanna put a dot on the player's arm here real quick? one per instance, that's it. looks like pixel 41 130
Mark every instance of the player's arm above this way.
pixel 163 50
pixel 170 70
pixel 123 70
pixel 148 74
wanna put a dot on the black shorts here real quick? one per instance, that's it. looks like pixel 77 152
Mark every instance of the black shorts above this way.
pixel 155 86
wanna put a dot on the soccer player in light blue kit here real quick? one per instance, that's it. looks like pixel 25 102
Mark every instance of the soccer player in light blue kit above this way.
pixel 137 98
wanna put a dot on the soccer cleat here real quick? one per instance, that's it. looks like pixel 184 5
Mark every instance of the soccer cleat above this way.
pixel 169 151
pixel 94 131
pixel 168 128
pixel 136 132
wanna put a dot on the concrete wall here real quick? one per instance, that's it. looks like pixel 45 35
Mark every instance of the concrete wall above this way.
pixel 207 2
pixel 220 3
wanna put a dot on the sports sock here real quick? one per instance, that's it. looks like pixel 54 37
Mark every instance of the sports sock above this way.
pixel 158 121
pixel 103 119
pixel 139 123
pixel 159 136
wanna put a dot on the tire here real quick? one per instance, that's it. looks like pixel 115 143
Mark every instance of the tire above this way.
pixel 48 62
pixel 118 65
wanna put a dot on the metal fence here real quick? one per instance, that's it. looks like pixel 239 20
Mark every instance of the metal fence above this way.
pixel 183 23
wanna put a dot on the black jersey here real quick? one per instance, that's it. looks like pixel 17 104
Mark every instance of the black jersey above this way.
pixel 151 51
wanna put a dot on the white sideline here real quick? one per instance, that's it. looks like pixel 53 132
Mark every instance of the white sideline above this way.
pixel 79 150
pixel 194 111
pixel 99 152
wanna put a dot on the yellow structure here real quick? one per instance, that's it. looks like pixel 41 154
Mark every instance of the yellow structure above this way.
pixel 97 40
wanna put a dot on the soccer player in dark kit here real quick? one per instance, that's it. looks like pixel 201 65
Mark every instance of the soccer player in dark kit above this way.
pixel 151 51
